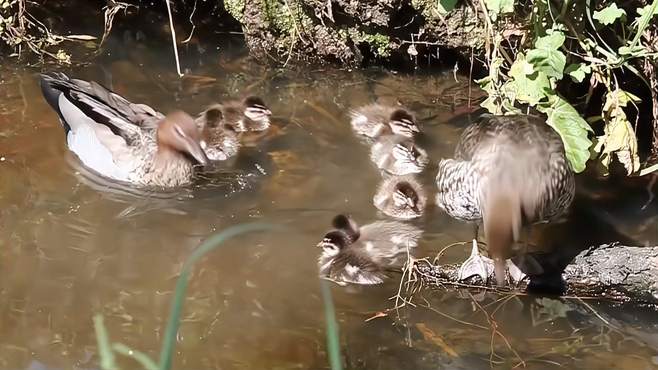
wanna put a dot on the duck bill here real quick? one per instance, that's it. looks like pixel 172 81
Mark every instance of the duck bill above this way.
pixel 195 150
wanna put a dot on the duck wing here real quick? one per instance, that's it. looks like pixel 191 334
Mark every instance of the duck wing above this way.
pixel 354 266
pixel 99 104
pixel 388 241
pixel 102 128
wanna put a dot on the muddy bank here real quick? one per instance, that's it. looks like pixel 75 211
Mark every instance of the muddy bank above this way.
pixel 355 32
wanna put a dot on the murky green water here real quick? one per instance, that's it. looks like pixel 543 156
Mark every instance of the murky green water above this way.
pixel 69 250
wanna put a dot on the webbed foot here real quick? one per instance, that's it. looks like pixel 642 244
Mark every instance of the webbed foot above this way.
pixel 475 264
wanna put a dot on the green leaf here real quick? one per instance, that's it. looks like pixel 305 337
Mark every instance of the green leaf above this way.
pixel 497 7
pixel 609 14
pixel 546 57
pixel 578 71
pixel 445 6
pixel 641 22
pixel 528 85
pixel 645 12
pixel 552 41
pixel 564 119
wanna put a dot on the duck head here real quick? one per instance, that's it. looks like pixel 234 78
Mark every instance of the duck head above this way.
pixel 347 225
pixel 256 110
pixel 178 132
pixel 402 122
pixel 405 198
pixel 333 242
pixel 213 116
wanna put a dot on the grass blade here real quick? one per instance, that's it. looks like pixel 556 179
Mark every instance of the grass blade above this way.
pixel 214 241
pixel 333 338
pixel 108 362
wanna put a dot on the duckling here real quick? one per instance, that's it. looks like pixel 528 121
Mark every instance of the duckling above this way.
pixel 374 120
pixel 249 114
pixel 362 255
pixel 220 140
pixel 398 155
pixel 123 141
pixel 400 197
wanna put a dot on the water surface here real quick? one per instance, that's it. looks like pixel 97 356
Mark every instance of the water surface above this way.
pixel 70 249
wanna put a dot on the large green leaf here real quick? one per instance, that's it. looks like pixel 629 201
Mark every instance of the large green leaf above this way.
pixel 564 119
pixel 528 85
pixel 546 56
pixel 609 14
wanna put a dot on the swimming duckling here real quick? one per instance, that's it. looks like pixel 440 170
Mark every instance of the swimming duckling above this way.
pixel 249 114
pixel 400 197
pixel 362 255
pixel 220 139
pixel 398 155
pixel 374 120
pixel 124 141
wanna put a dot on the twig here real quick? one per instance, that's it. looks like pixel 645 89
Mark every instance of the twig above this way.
pixel 192 23
pixel 494 331
pixel 173 38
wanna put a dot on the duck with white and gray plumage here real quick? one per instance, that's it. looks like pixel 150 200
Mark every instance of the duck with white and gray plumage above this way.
pixel 374 120
pixel 364 255
pixel 400 197
pixel 123 141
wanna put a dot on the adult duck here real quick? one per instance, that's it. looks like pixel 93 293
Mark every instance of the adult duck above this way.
pixel 508 172
pixel 123 141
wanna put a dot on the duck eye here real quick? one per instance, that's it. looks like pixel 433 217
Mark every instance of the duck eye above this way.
pixel 179 131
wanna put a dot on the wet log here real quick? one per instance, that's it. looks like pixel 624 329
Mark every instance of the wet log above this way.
pixel 610 271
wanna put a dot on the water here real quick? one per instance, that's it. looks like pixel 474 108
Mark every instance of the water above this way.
pixel 69 250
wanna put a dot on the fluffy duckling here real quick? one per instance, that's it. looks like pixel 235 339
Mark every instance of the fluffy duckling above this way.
pixel 220 139
pixel 398 155
pixel 374 120
pixel 123 141
pixel 249 114
pixel 400 197
pixel 363 255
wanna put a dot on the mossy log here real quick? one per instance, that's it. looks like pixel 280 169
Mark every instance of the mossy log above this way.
pixel 610 271
pixel 351 31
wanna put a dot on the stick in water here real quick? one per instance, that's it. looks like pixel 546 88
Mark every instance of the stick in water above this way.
pixel 173 38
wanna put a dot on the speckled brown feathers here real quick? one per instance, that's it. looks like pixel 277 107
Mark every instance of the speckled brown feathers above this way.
pixel 507 171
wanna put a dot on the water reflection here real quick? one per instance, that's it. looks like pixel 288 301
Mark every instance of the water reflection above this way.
pixel 69 248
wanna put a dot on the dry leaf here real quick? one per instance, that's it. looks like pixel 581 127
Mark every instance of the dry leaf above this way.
pixel 429 335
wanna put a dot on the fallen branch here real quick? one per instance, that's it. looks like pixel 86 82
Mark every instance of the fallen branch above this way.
pixel 610 271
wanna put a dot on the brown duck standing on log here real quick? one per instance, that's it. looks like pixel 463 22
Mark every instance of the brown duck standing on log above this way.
pixel 508 172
